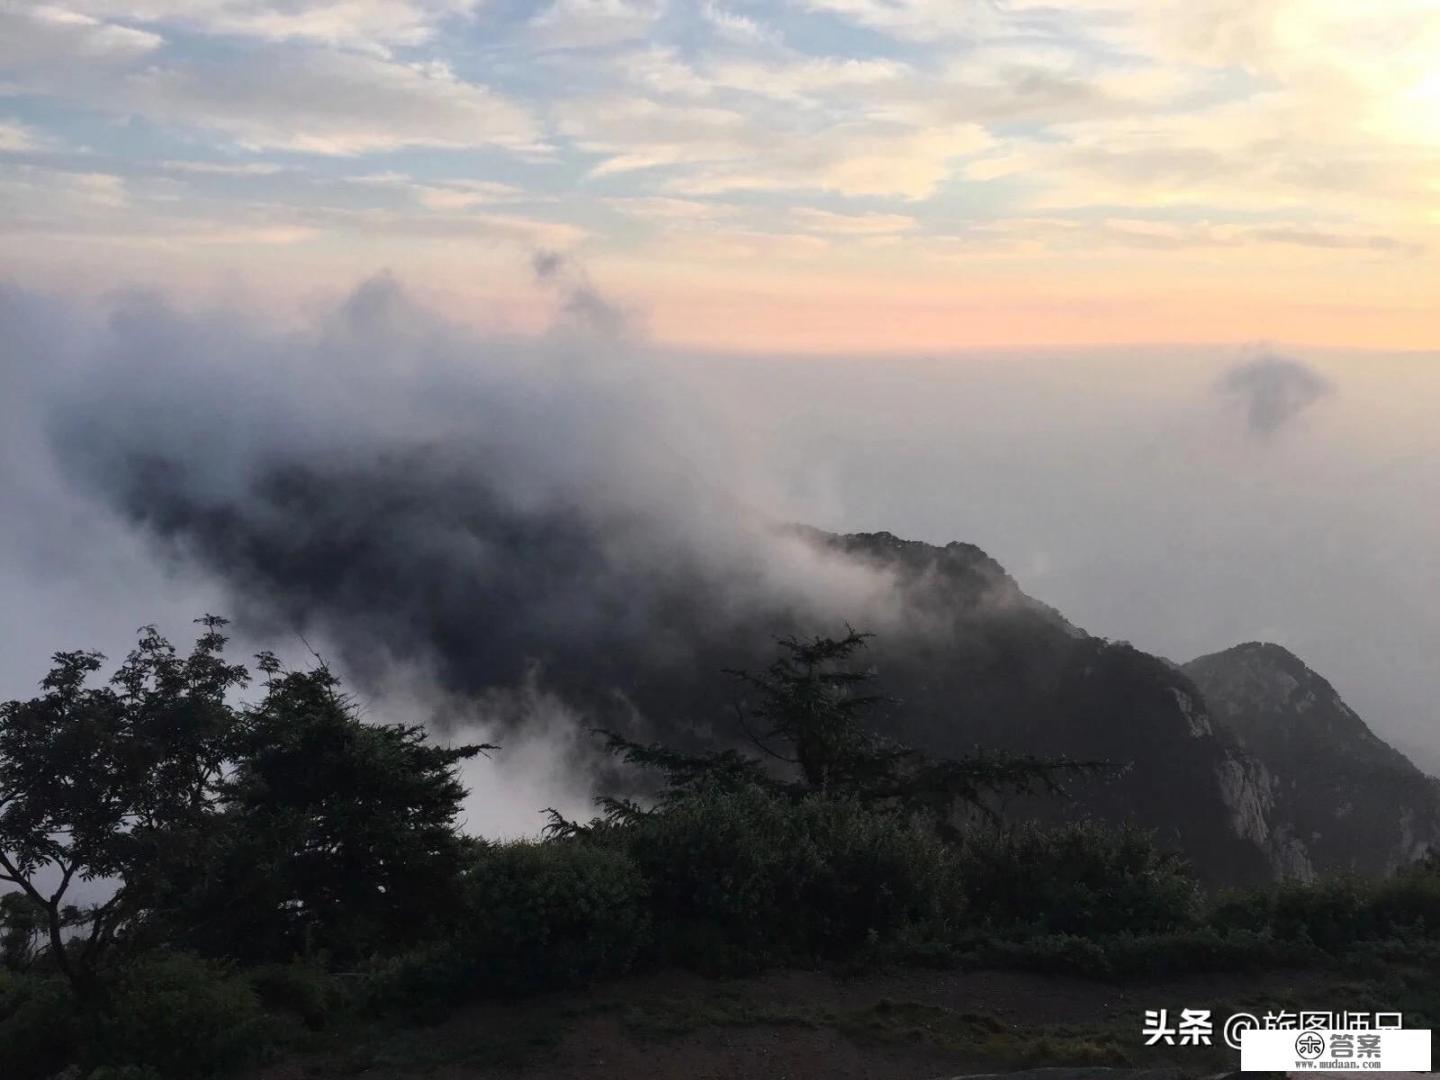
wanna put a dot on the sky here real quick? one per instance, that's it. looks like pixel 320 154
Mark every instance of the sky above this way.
pixel 1139 297
pixel 793 176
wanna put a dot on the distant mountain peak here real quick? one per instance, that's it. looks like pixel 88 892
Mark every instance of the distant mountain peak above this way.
pixel 1266 676
pixel 1355 802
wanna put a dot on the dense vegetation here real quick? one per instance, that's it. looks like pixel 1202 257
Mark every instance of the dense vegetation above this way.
pixel 273 868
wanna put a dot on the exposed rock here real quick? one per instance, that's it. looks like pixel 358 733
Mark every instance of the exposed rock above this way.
pixel 1247 760
pixel 1343 797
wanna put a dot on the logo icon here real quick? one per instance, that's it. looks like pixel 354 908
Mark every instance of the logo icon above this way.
pixel 1310 1045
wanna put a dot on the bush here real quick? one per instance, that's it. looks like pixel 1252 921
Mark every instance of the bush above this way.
pixel 1410 900
pixel 1083 879
pixel 555 914
pixel 1201 949
pixel 38 1030
pixel 1179 952
pixel 538 916
pixel 1049 953
pixel 741 879
pixel 1340 913
pixel 1330 915
pixel 302 990
pixel 178 1016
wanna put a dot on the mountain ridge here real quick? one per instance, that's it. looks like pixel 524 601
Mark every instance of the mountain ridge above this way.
pixel 1224 749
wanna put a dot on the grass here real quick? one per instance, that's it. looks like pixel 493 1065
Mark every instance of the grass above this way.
pixel 494 1038
pixel 975 1037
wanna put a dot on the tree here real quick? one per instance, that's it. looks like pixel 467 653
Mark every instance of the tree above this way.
pixel 22 928
pixel 111 782
pixel 810 715
pixel 266 829
pixel 337 835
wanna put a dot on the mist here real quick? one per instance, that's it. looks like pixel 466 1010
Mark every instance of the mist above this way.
pixel 472 528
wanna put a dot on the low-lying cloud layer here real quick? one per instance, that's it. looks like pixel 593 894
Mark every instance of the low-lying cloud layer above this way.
pixel 422 500
pixel 511 534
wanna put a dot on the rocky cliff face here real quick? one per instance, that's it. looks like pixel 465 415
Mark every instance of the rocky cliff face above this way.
pixel 1343 799
pixel 988 664
pixel 1247 761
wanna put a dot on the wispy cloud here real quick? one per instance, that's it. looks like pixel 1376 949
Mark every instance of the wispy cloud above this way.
pixel 17 138
pixel 1288 140
pixel 369 24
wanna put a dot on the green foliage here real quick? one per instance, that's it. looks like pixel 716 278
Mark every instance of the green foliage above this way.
pixel 23 925
pixel 288 827
pixel 303 990
pixel 168 1015
pixel 179 1016
pixel 559 913
pixel 291 828
pixel 1335 914
pixel 1199 949
pixel 337 835
pixel 38 1025
pixel 1410 900
pixel 537 916
pixel 1078 879
pixel 1329 914
pixel 747 877
pixel 124 1072
pixel 1153 955
pixel 813 704
pixel 809 715
pixel 112 781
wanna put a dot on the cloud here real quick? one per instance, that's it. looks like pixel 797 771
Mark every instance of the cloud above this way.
pixel 582 304
pixel 464 194
pixel 1083 233
pixel 331 103
pixel 1273 391
pixel 808 79
pixel 18 138
pixel 872 224
pixel 224 168
pixel 711 150
pixel 43 196
pixel 914 20
pixel 59 209
pixel 443 225
pixel 737 28
pixel 436 507
pixel 1100 129
pixel 581 24
pixel 664 209
pixel 262 97
pixel 369 24
pixel 43 47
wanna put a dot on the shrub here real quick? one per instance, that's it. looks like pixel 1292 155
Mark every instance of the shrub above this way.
pixel 1330 915
pixel 1177 952
pixel 1339 913
pixel 178 1016
pixel 38 1030
pixel 539 916
pixel 1048 953
pixel 744 878
pixel 1082 879
pixel 302 990
pixel 555 914
pixel 1200 949
pixel 1410 900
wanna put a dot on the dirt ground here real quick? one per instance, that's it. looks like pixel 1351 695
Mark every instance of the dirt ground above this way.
pixel 803 1025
